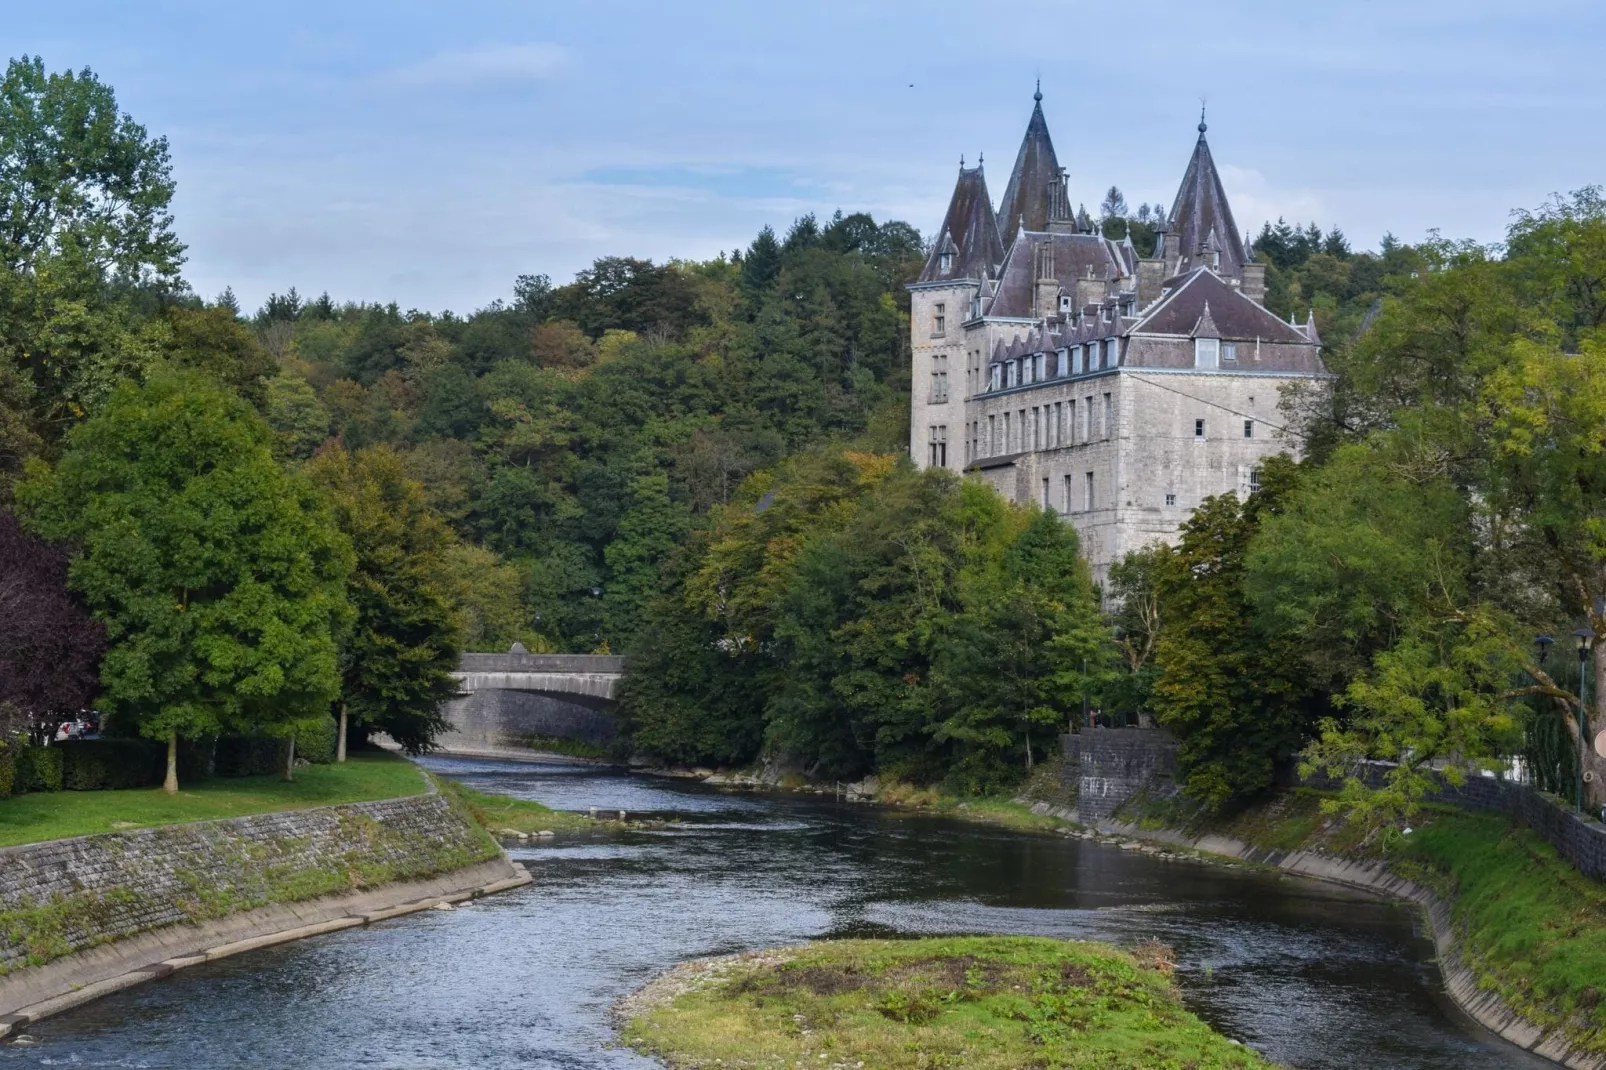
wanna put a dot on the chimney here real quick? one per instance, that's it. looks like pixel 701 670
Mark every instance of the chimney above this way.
pixel 1151 273
pixel 1045 296
pixel 1090 291
pixel 1254 283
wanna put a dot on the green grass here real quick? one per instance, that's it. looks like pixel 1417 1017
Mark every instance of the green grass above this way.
pixel 59 814
pixel 498 812
pixel 982 1003
pixel 1533 927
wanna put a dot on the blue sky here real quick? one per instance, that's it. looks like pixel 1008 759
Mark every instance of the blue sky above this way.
pixel 429 152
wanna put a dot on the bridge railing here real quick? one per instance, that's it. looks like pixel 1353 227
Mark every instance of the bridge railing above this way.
pixel 611 664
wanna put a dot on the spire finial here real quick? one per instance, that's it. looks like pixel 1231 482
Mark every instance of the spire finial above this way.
pixel 1038 96
pixel 961 161
pixel 980 157
pixel 1201 118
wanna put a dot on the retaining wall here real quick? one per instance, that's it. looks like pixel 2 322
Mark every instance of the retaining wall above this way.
pixel 77 913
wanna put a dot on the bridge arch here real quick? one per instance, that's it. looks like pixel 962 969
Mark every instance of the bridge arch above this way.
pixel 513 702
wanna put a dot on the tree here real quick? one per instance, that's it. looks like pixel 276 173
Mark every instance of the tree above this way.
pixel 1114 204
pixel 50 648
pixel 762 263
pixel 1234 694
pixel 219 576
pixel 79 174
pixel 406 640
pixel 214 341
pixel 651 527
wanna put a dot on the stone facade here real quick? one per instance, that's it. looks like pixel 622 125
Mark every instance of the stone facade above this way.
pixel 1073 373
pixel 65 896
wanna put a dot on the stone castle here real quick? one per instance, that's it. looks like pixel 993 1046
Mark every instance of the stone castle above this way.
pixel 1075 373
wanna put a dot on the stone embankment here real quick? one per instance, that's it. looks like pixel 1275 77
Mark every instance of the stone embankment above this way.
pixel 1484 1007
pixel 85 917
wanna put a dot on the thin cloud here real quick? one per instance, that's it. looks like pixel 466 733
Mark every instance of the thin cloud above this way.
pixel 536 62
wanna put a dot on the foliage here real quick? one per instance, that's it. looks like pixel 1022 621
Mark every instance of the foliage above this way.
pixel 219 576
pixel 396 665
pixel 109 764
pixel 984 1002
pixel 37 768
pixel 50 648
pixel 1236 696
pixel 848 614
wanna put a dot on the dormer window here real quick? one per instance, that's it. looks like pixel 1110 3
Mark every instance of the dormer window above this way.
pixel 1112 352
pixel 946 261
pixel 975 307
pixel 1026 371
pixel 1063 363
pixel 1229 352
pixel 1081 357
pixel 1065 303
pixel 1042 366
pixel 1207 352
pixel 997 380
pixel 1012 373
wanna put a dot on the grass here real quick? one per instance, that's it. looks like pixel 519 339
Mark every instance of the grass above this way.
pixel 57 815
pixel 982 1003
pixel 498 812
pixel 1533 927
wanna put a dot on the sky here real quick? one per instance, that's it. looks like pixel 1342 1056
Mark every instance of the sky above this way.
pixel 427 153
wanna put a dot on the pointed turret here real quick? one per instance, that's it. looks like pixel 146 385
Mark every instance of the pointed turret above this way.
pixel 967 246
pixel 1206 327
pixel 1310 328
pixel 1199 214
pixel 1026 198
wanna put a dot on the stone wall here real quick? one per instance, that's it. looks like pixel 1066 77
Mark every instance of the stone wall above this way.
pixel 66 896
pixel 1114 764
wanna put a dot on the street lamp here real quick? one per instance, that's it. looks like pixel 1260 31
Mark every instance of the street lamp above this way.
pixel 1543 643
pixel 1585 639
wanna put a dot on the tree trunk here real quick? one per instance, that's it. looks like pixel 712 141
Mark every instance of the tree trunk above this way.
pixel 290 760
pixel 1028 750
pixel 170 785
pixel 340 738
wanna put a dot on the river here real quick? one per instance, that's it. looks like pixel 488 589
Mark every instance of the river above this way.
pixel 1312 975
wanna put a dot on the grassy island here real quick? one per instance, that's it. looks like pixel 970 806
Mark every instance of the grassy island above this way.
pixel 982 1003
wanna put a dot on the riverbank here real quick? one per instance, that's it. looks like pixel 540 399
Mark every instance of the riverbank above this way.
pixel 84 916
pixel 1520 934
pixel 987 1003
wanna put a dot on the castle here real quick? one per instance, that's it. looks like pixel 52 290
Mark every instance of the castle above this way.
pixel 1070 371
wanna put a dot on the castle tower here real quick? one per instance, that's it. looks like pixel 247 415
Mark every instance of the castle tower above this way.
pixel 1026 198
pixel 964 260
pixel 1200 231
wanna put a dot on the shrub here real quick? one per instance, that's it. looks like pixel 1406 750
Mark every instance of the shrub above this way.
pixel 7 768
pixel 252 755
pixel 196 758
pixel 38 769
pixel 318 745
pixel 110 764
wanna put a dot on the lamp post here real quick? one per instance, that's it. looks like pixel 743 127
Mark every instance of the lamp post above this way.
pixel 1585 639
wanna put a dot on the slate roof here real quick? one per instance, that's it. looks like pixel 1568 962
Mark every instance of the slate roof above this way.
pixel 1231 316
pixel 1203 218
pixel 1035 167
pixel 969 231
pixel 1073 255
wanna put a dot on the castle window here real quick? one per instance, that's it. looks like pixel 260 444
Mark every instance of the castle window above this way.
pixel 1058 434
pixel 1109 416
pixel 1249 429
pixel 1087 418
pixel 1171 499
pixel 1087 501
pixel 1042 366
pixel 1062 363
pixel 947 261
pixel 1045 494
pixel 992 436
pixel 1254 480
pixel 1206 352
pixel 939 379
pixel 1229 351
pixel 1112 352
pixel 1198 429
pixel 975 307
pixel 937 452
pixel 1068 505
pixel 940 326
pixel 1012 373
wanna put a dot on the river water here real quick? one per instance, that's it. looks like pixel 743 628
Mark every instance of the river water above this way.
pixel 1313 976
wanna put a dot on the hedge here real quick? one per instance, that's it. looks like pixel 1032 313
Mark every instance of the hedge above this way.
pixel 38 769
pixel 7 768
pixel 318 746
pixel 237 756
pixel 110 764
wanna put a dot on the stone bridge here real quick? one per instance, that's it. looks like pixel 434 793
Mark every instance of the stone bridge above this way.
pixel 517 703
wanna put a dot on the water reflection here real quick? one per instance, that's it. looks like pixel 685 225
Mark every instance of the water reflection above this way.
pixel 1314 977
